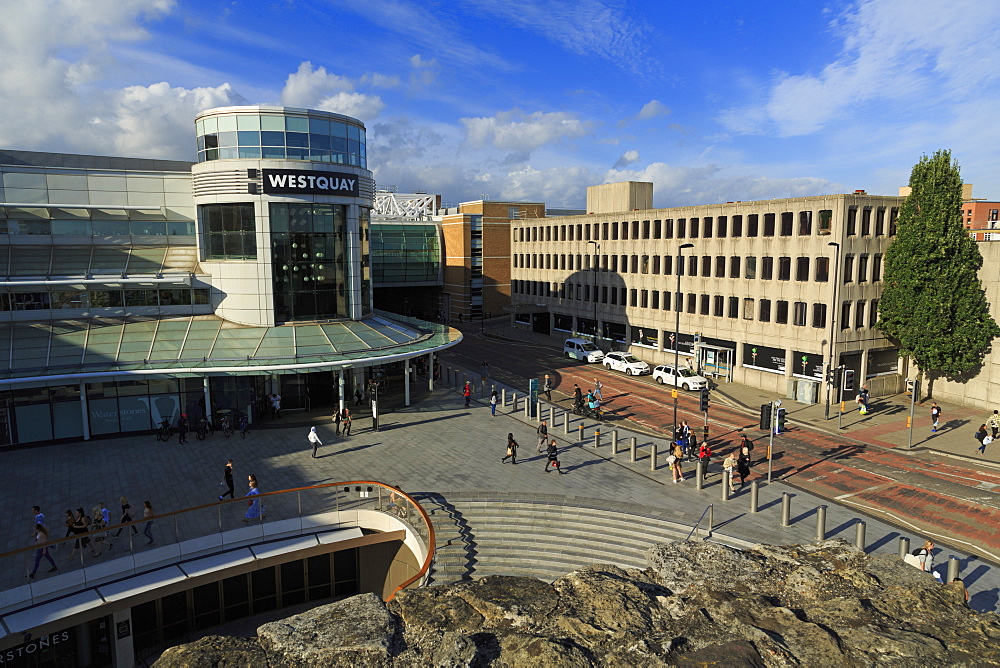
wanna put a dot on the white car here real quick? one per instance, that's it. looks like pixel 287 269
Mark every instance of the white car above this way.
pixel 627 362
pixel 664 374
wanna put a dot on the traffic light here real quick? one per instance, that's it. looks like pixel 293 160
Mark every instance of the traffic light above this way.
pixel 848 379
pixel 704 400
pixel 765 416
pixel 833 377
pixel 779 421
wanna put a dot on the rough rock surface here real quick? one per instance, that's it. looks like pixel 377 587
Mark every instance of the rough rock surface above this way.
pixel 698 604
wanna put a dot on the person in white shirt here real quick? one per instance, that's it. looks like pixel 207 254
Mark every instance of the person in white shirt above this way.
pixel 314 439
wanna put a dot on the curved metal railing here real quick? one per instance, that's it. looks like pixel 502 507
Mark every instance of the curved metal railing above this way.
pixel 124 549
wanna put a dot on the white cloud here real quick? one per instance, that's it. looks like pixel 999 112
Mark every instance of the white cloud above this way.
pixel 897 56
pixel 424 72
pixel 376 80
pixel 517 131
pixel 627 158
pixel 306 86
pixel 154 121
pixel 360 106
pixel 652 109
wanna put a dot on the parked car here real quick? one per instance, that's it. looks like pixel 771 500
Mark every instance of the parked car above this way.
pixel 664 374
pixel 583 350
pixel 627 362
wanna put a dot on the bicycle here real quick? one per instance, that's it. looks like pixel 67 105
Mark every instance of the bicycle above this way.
pixel 227 429
pixel 163 432
pixel 204 428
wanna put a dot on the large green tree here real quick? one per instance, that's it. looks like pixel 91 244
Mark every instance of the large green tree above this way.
pixel 933 304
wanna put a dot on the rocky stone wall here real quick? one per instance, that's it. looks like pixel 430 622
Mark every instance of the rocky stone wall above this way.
pixel 698 604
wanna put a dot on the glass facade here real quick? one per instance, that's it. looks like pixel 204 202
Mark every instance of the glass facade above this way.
pixel 405 253
pixel 33 301
pixel 280 137
pixel 230 231
pixel 87 227
pixel 309 255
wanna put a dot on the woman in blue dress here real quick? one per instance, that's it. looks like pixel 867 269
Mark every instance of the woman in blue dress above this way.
pixel 253 512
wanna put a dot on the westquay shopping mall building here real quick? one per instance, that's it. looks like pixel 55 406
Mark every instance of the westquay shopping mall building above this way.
pixel 135 290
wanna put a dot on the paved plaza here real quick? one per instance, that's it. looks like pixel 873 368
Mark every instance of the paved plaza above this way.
pixel 436 446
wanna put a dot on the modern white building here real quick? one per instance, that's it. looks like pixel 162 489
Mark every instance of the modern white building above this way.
pixel 135 290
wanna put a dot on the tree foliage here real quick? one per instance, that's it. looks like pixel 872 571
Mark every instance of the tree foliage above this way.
pixel 933 304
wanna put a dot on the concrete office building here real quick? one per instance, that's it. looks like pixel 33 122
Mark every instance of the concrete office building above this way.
pixel 760 293
pixel 134 290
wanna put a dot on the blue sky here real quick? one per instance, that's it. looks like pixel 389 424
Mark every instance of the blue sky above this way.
pixel 532 100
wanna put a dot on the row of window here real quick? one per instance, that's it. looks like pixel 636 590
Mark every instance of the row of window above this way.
pixel 853 313
pixel 95 228
pixel 873 221
pixel 867 267
pixel 33 301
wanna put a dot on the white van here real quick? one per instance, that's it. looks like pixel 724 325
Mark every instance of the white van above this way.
pixel 583 350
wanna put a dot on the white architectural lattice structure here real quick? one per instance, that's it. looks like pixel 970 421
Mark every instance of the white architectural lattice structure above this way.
pixel 409 206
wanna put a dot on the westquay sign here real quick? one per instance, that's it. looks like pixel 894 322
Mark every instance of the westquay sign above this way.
pixel 306 182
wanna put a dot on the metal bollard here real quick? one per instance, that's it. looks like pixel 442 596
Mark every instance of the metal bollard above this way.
pixel 631 447
pixel 904 547
pixel 821 523
pixel 527 406
pixel 786 509
pixel 859 535
pixel 699 476
pixel 725 484
pixel 513 402
pixel 566 422
pixel 597 439
pixel 952 570
pixel 652 456
pixel 754 499
pixel 711 519
pixel 503 397
pixel 614 442
pixel 581 433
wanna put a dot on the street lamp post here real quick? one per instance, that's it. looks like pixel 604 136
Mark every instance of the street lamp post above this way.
pixel 833 323
pixel 678 302
pixel 593 295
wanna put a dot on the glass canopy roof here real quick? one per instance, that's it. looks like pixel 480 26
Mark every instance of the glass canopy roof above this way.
pixel 198 345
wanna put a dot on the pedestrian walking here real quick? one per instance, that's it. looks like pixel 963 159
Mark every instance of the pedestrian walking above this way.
pixel 39 516
pixel 511 450
pixel 705 457
pixel 692 445
pixel 81 525
pixel 182 428
pixel 674 460
pixel 147 514
pixel 994 424
pixel 935 415
pixel 313 438
pixel 547 387
pixel 598 386
pixel 42 537
pixel 359 396
pixel 983 438
pixel 925 555
pixel 68 522
pixel 253 504
pixel 863 400
pixel 227 480
pixel 336 420
pixel 467 393
pixel 577 399
pixel 346 421
pixel 748 444
pixel 543 435
pixel 275 405
pixel 97 525
pixel 552 457
pixel 127 516
pixel 743 465
pixel 493 403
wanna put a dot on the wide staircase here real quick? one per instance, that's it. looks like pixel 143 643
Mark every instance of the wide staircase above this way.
pixel 481 534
